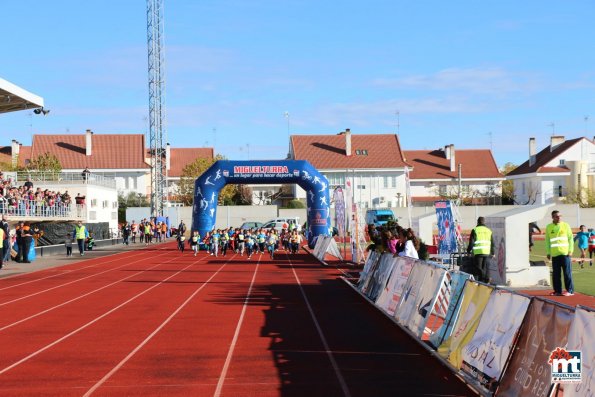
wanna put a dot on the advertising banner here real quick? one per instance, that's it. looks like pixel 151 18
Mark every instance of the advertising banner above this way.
pixel 369 267
pixel 380 276
pixel 421 292
pixel 484 357
pixel 457 283
pixel 580 338
pixel 475 299
pixel 339 211
pixel 391 294
pixel 544 329
pixel 447 233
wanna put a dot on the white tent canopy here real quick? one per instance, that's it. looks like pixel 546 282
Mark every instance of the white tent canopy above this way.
pixel 13 98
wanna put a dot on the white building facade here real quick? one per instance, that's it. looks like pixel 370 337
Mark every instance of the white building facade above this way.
pixel 564 169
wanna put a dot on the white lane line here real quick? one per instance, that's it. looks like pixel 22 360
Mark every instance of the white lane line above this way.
pixel 54 343
pixel 65 284
pixel 234 341
pixel 329 352
pixel 159 328
pixel 82 296
pixel 54 275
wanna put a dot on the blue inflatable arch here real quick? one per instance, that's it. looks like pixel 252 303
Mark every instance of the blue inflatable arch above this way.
pixel 208 185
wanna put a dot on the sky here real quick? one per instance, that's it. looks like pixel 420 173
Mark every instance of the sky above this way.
pixel 473 74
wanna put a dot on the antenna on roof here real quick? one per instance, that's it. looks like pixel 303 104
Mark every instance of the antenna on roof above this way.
pixel 586 118
pixel 491 141
pixel 553 125
pixel 398 114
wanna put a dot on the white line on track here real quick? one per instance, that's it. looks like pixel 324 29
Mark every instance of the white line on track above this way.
pixel 65 284
pixel 327 349
pixel 159 328
pixel 54 343
pixel 84 295
pixel 234 341
pixel 56 275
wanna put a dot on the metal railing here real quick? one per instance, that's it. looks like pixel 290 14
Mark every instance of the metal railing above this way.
pixel 41 209
pixel 49 177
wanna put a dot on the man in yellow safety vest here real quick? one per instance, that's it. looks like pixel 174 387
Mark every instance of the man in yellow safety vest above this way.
pixel 559 245
pixel 80 234
pixel 481 244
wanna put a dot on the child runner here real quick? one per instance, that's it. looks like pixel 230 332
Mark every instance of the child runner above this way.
pixel 591 245
pixel 271 242
pixel 224 241
pixel 240 242
pixel 262 237
pixel 583 243
pixel 215 242
pixel 181 239
pixel 249 245
pixel 295 242
pixel 195 242
pixel 133 228
pixel 68 243
pixel 141 232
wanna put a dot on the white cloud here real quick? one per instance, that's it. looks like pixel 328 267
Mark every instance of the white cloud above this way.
pixel 492 80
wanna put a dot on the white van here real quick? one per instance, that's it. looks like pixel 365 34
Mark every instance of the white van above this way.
pixel 281 223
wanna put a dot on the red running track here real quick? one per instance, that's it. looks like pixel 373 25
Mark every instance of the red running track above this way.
pixel 157 322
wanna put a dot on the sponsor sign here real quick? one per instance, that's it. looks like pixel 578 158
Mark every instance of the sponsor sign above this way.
pixel 262 171
pixel 391 295
pixel 457 283
pixel 421 292
pixel 580 338
pixel 475 299
pixel 385 267
pixel 529 372
pixel 484 357
pixel 447 233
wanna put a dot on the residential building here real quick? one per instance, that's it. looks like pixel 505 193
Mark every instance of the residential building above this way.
pixel 121 157
pixel 562 169
pixel 374 164
pixel 469 174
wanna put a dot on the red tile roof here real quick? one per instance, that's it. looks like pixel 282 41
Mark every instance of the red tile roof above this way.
pixel 552 169
pixel 476 163
pixel 109 151
pixel 6 154
pixel 328 151
pixel 544 157
pixel 180 157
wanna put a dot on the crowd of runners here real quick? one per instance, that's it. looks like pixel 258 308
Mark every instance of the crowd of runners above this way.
pixel 243 241
pixel 216 242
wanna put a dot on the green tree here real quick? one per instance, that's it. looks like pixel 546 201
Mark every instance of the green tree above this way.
pixel 195 169
pixel 507 186
pixel 131 199
pixel 45 162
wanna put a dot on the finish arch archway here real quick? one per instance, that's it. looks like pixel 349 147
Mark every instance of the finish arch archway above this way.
pixel 300 172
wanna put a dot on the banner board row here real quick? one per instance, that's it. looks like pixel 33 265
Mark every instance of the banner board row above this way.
pixel 505 343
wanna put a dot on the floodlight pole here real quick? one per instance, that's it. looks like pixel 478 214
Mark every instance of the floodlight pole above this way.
pixel 157 134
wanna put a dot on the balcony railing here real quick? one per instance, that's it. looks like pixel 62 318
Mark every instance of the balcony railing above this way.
pixel 64 178
pixel 31 209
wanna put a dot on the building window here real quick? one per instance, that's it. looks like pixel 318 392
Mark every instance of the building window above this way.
pixel 135 183
pixel 92 215
pixel 365 152
pixel 394 178
pixel 524 188
pixel 560 192
pixel 562 162
pixel 442 190
pixel 361 186
pixel 93 203
pixel 126 183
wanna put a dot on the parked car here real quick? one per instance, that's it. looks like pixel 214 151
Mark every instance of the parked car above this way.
pixel 251 225
pixel 379 217
pixel 278 223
